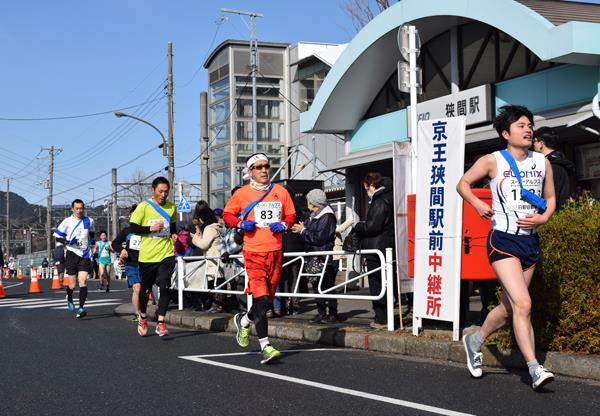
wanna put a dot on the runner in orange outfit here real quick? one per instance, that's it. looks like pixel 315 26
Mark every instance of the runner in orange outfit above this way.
pixel 264 211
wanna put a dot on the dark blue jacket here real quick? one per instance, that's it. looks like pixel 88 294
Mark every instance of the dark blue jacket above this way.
pixel 319 231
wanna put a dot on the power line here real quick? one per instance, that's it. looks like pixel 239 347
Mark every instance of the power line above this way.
pixel 212 42
pixel 109 172
pixel 72 117
pixel 107 140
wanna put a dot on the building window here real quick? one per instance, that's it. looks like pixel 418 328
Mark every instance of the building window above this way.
pixel 265 109
pixel 219 112
pixel 265 86
pixel 219 90
pixel 310 76
pixel 219 134
pixel 219 157
pixel 220 178
pixel 267 131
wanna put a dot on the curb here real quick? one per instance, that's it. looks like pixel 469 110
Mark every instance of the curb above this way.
pixel 432 345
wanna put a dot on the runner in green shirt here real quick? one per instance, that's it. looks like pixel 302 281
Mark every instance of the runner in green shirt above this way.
pixel 155 221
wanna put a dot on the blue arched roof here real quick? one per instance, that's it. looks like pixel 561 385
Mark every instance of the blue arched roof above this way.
pixel 371 57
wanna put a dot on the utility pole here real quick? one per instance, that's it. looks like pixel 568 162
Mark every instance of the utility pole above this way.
pixel 115 222
pixel 253 67
pixel 50 186
pixel 170 143
pixel 205 189
pixel 8 231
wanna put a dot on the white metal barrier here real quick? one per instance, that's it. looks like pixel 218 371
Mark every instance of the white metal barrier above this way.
pixel 193 276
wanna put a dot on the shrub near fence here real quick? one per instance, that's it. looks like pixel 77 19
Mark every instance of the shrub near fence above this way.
pixel 565 290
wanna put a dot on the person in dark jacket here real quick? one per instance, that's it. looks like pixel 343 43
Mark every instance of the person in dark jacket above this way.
pixel 546 142
pixel 319 235
pixel 377 232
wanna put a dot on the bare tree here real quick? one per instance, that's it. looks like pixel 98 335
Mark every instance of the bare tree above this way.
pixel 362 11
pixel 138 190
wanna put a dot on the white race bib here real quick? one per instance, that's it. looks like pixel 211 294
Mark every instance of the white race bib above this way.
pixel 135 242
pixel 266 213
pixel 164 232
pixel 513 196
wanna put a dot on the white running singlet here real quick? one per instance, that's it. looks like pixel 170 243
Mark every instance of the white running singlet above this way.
pixel 77 233
pixel 506 192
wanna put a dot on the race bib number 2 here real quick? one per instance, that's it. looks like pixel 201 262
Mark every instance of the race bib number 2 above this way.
pixel 135 242
pixel 266 213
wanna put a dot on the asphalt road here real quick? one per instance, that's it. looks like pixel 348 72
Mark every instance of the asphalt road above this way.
pixel 54 364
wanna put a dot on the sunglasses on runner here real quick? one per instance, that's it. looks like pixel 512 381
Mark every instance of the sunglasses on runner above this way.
pixel 259 167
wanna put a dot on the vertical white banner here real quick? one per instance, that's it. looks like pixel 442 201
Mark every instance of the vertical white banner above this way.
pixel 438 220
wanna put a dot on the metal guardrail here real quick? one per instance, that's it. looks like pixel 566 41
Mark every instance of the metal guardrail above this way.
pixel 192 275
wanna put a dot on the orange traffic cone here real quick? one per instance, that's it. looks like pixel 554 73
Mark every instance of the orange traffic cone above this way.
pixel 2 295
pixel 19 274
pixel 55 279
pixel 34 287
pixel 66 280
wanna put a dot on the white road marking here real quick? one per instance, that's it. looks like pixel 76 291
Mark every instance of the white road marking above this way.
pixel 14 302
pixel 15 285
pixel 390 400
pixel 48 304
pixel 88 305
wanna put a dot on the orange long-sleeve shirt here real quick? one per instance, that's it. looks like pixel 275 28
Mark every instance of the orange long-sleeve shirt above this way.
pixel 277 206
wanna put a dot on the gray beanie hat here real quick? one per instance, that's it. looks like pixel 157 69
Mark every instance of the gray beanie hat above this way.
pixel 317 197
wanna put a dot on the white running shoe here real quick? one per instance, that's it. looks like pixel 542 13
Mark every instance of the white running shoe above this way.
pixel 474 358
pixel 541 377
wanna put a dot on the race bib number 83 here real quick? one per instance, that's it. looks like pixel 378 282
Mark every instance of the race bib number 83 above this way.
pixel 266 213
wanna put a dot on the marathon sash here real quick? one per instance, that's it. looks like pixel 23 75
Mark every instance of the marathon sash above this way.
pixel 251 205
pixel 159 210
pixel 526 195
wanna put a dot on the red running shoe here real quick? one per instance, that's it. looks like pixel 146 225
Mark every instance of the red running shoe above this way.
pixel 161 329
pixel 142 327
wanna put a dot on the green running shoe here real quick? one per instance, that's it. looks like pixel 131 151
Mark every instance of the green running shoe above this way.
pixel 243 334
pixel 269 354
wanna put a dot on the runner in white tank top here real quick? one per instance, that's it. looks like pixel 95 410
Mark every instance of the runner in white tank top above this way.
pixel 506 200
pixel 513 244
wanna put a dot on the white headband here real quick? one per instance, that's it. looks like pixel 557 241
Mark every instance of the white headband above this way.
pixel 255 158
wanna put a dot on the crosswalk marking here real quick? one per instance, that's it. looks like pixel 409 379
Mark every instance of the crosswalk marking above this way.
pixel 54 303
pixel 90 306
pixel 61 302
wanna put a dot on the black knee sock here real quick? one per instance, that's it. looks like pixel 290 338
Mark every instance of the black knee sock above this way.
pixel 258 315
pixel 82 296
pixel 69 294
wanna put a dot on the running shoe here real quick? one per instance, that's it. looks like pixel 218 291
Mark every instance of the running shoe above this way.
pixel 136 318
pixel 107 289
pixel 474 358
pixel 269 354
pixel 243 334
pixel 81 312
pixel 142 327
pixel 541 377
pixel 161 329
pixel 70 305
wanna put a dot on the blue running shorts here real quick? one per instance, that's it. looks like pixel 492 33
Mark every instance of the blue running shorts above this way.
pixel 133 275
pixel 525 248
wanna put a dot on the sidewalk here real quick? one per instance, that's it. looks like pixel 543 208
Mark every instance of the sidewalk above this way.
pixel 354 332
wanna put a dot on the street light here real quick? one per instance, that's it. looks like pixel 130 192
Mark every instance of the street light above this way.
pixel 165 146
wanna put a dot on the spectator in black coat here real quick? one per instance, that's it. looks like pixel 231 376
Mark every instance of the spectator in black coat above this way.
pixel 319 235
pixel 546 142
pixel 377 232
